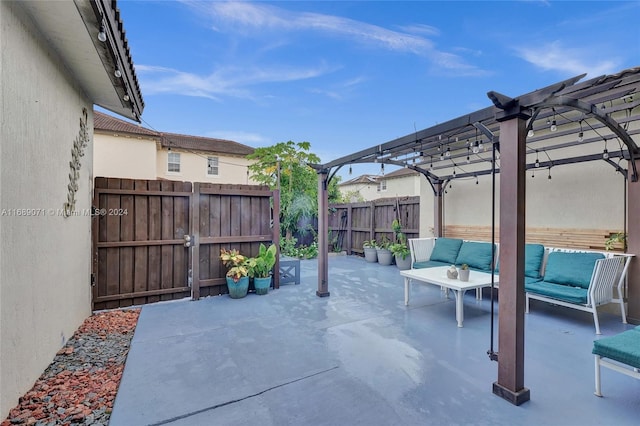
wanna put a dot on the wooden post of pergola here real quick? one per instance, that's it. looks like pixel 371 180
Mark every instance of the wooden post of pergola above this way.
pixel 438 220
pixel 513 133
pixel 633 246
pixel 323 230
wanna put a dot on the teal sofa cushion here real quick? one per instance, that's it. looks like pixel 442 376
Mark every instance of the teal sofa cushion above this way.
pixel 429 264
pixel 567 293
pixel 571 269
pixel 533 256
pixel 477 255
pixel 446 250
pixel 623 347
pixel 531 280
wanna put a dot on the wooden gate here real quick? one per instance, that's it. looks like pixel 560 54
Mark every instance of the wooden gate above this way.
pixel 229 216
pixel 139 252
pixel 138 238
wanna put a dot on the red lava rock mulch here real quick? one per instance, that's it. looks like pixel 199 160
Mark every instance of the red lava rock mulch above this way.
pixel 80 385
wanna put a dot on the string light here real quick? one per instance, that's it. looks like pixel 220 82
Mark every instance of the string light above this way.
pixel 554 126
pixel 537 164
pixel 102 35
pixel 605 153
pixel 581 134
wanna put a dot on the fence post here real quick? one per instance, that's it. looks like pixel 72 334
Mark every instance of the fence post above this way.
pixel 195 251
pixel 276 237
pixel 349 231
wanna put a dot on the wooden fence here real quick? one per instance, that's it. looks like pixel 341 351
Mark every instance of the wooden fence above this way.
pixel 350 225
pixel 139 251
pixel 589 239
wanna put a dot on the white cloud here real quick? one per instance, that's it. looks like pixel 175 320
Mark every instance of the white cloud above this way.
pixel 252 18
pixel 225 81
pixel 554 56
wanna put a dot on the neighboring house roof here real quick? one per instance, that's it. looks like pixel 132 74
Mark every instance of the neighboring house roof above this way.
pixel 198 143
pixel 105 122
pixel 362 179
pixel 400 173
pixel 373 179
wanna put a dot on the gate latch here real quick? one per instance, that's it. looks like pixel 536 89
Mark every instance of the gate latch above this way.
pixel 188 240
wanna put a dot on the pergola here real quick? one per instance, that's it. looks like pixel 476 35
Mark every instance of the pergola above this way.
pixel 565 123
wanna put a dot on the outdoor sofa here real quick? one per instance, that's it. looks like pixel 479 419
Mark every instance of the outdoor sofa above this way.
pixel 577 279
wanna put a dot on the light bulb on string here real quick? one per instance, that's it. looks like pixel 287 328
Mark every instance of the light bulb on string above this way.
pixel 581 134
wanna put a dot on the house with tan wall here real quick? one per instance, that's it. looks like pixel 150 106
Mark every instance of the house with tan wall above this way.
pixel 127 150
pixel 398 183
pixel 57 60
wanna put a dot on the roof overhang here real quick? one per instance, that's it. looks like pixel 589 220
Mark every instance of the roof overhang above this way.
pixel 587 118
pixel 71 28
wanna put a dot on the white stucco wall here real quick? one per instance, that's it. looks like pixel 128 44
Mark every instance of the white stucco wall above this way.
pixel 44 259
pixel 124 157
pixel 579 196
pixel 193 168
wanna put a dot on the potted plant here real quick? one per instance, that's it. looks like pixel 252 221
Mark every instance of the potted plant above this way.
pixel 463 273
pixel 401 254
pixel 370 253
pixel 400 249
pixel 384 254
pixel 237 274
pixel 261 267
pixel 616 239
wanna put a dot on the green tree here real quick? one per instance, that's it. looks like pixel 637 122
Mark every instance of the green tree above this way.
pixel 285 165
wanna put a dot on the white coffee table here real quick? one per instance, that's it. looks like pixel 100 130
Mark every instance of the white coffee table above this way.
pixel 438 276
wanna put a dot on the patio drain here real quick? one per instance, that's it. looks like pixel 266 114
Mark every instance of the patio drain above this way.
pixel 213 407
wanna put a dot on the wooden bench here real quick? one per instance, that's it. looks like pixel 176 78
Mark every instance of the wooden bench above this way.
pixel 620 353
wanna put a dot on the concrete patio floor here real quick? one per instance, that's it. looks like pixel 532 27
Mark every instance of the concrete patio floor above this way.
pixel 359 357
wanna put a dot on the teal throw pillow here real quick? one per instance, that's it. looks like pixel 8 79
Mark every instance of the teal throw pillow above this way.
pixel 533 256
pixel 574 269
pixel 446 250
pixel 476 254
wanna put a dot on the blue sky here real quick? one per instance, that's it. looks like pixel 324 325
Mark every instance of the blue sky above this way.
pixel 346 76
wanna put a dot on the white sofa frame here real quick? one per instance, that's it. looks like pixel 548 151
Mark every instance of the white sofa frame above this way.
pixel 615 366
pixel 608 273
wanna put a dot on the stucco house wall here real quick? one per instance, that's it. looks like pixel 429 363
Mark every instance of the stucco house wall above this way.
pixel 578 196
pixel 44 257
pixel 126 150
pixel 124 156
pixel 193 167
